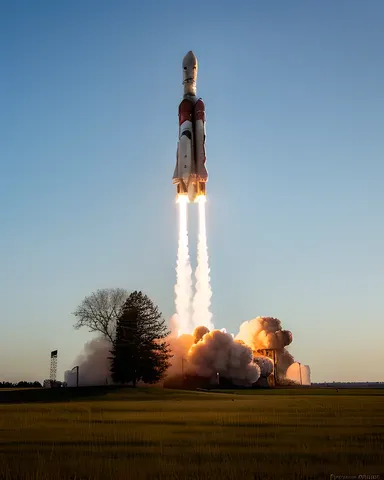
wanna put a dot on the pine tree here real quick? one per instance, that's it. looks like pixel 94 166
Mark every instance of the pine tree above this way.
pixel 139 350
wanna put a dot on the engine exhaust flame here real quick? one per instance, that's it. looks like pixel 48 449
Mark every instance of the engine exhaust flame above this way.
pixel 202 299
pixel 183 287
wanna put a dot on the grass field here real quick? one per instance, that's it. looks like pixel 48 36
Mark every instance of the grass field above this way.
pixel 165 434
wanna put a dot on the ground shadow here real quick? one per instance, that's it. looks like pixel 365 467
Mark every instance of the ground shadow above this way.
pixel 54 395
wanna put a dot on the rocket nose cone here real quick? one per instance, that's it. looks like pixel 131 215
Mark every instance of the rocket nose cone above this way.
pixel 190 60
pixel 189 73
pixel 191 56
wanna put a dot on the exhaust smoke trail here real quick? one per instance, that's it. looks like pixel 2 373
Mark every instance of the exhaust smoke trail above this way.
pixel 183 287
pixel 202 300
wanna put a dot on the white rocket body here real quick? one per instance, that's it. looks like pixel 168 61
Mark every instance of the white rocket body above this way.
pixel 190 174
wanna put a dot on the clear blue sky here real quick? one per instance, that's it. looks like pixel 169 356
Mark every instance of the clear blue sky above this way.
pixel 89 93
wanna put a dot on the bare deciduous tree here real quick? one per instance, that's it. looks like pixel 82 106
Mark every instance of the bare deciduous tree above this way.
pixel 100 310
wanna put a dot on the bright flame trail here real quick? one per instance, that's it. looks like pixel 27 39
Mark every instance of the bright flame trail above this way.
pixel 183 287
pixel 202 299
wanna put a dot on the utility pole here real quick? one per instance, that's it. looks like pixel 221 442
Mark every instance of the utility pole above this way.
pixel 301 380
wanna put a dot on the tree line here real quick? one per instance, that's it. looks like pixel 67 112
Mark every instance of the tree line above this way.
pixel 21 384
pixel 136 330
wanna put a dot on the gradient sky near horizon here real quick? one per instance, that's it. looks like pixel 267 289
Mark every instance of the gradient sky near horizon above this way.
pixel 295 148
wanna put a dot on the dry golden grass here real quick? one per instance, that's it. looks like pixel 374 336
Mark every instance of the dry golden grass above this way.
pixel 159 434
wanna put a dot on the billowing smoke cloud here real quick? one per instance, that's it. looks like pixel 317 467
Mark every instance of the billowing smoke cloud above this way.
pixel 179 347
pixel 93 364
pixel 199 333
pixel 265 364
pixel 241 360
pixel 218 352
pixel 266 333
pixel 283 359
pixel 299 373
pixel 208 353
pixel 174 325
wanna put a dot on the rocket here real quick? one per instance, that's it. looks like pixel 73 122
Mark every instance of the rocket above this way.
pixel 190 174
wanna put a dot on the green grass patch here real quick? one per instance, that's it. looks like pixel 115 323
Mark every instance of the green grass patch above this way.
pixel 153 433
